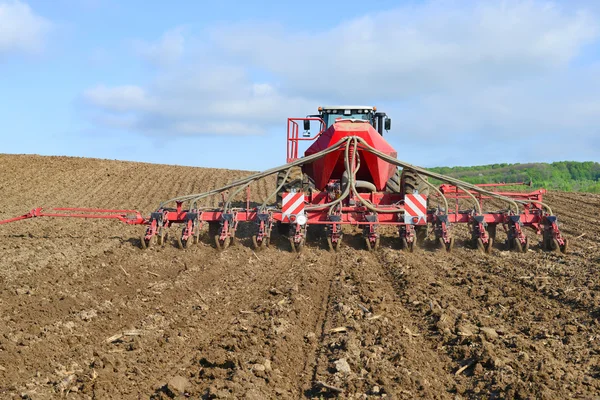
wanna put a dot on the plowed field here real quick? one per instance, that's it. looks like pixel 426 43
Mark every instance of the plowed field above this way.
pixel 85 313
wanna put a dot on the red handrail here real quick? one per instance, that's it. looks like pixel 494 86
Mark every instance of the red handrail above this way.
pixel 293 135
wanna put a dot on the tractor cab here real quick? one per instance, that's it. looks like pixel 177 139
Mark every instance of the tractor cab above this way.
pixel 333 114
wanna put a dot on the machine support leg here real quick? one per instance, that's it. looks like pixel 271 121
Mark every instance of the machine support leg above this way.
pixel 370 234
pixel 407 237
pixel 264 226
pixel 552 238
pixel 516 239
pixel 479 235
pixel 334 233
pixel 297 237
pixel 227 229
pixel 442 236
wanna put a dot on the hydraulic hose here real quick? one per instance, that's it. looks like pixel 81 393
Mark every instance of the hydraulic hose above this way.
pixel 425 172
pixel 477 206
pixel 195 197
pixel 344 194
pixel 359 184
pixel 436 189
pixel 264 204
pixel 235 193
pixel 352 182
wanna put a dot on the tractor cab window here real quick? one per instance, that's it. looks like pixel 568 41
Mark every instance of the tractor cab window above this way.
pixel 331 118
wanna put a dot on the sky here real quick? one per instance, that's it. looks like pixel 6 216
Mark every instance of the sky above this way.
pixel 212 84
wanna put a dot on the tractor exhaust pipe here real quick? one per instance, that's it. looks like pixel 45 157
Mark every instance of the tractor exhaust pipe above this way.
pixel 379 121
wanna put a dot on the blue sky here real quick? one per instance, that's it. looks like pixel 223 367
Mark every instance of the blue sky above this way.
pixel 212 83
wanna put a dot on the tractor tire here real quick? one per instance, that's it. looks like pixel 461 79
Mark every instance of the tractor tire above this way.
pixel 393 184
pixel 296 180
pixel 410 183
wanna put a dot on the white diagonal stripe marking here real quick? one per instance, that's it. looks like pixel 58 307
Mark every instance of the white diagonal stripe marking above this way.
pixel 422 199
pixel 294 205
pixel 413 206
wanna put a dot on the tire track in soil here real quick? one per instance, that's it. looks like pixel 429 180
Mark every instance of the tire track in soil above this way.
pixel 253 284
pixel 202 371
pixel 98 193
pixel 225 296
pixel 316 337
pixel 370 346
pixel 145 189
pixel 269 345
pixel 506 330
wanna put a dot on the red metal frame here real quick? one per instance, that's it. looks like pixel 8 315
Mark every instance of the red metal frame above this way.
pixel 533 216
pixel 293 136
pixel 131 217
pixel 350 211
pixel 452 192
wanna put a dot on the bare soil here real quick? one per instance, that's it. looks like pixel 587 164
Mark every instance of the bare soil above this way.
pixel 85 313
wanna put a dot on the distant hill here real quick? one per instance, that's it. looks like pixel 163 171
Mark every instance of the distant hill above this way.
pixel 568 176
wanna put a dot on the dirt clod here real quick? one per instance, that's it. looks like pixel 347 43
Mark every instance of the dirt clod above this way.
pixel 342 365
pixel 570 329
pixel 490 333
pixel 178 384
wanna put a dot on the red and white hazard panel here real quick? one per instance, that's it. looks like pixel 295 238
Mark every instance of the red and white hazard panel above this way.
pixel 292 204
pixel 415 209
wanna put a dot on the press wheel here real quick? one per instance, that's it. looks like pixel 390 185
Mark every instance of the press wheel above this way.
pixel 446 246
pixel 262 245
pixel 333 246
pixel 161 237
pixel 184 243
pixel 222 244
pixel 144 244
pixel 480 246
pixel 490 245
pixel 297 247
pixel 516 245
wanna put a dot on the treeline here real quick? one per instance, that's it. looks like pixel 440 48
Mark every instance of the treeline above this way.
pixel 569 176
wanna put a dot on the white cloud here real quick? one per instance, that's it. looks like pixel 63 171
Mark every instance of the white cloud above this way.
pixel 419 49
pixel 215 128
pixel 119 98
pixel 194 104
pixel 20 28
pixel 167 51
pixel 452 73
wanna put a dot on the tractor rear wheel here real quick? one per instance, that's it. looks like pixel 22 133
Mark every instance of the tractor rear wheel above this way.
pixel 296 180
pixel 411 183
pixel 393 184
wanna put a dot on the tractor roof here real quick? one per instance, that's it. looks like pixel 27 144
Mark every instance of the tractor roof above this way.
pixel 348 107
